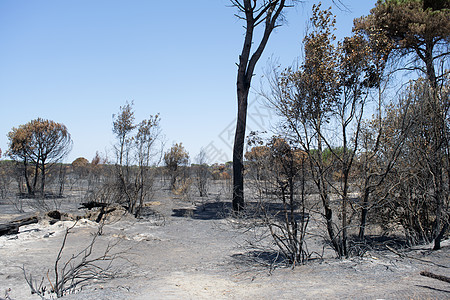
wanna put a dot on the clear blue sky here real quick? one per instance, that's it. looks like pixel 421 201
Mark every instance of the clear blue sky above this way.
pixel 77 61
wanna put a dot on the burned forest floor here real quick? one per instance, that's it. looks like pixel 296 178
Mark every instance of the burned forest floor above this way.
pixel 192 248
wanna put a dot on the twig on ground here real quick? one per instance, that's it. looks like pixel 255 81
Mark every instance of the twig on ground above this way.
pixel 402 255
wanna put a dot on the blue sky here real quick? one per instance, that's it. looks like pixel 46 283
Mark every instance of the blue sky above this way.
pixel 77 62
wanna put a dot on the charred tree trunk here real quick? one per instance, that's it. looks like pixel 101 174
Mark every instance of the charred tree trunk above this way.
pixel 238 149
pixel 323 192
pixel 27 178
pixel 266 13
pixel 36 174
pixel 438 129
pixel 43 179
pixel 12 227
pixel 364 212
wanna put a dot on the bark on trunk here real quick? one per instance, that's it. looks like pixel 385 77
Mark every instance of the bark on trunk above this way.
pixel 238 151
pixel 364 212
pixel 43 180
pixel 27 178
pixel 323 191
pixel 36 174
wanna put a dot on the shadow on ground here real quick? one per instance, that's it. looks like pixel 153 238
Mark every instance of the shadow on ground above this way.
pixel 220 210
pixel 261 258
pixel 207 211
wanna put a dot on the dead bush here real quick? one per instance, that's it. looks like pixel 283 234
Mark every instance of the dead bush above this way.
pixel 76 272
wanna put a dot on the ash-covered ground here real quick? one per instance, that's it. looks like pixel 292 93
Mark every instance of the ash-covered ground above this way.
pixel 193 249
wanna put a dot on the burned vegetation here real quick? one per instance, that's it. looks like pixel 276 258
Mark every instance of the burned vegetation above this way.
pixel 356 171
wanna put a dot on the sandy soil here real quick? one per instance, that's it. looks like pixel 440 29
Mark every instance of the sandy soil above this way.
pixel 188 251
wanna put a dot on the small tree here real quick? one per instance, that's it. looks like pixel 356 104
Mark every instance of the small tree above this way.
pixel 202 173
pixel 123 126
pixel 175 158
pixel 38 144
pixel 322 105
pixel 81 168
pixel 281 185
pixel 306 99
pixel 135 150
pixel 145 140
pixel 80 162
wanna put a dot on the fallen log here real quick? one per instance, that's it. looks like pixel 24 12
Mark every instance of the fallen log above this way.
pixel 435 276
pixel 12 227
pixel 26 220
pixel 104 213
pixel 92 204
pixel 7 229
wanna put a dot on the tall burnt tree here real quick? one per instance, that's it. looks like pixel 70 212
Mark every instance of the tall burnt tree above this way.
pixel 254 13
